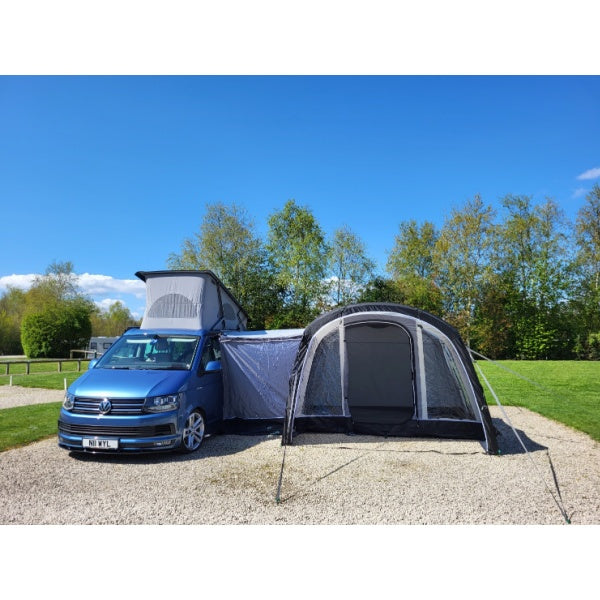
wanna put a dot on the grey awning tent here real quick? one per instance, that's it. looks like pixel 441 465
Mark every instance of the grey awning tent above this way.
pixel 195 300
pixel 256 373
pixel 386 369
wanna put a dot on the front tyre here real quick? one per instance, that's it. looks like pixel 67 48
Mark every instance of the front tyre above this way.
pixel 193 432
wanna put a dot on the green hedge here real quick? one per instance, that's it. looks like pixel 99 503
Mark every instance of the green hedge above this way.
pixel 53 332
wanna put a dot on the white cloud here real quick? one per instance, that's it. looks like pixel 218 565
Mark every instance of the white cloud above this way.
pixel 104 284
pixel 19 281
pixel 590 174
pixel 102 289
pixel 106 303
pixel 93 285
pixel 579 192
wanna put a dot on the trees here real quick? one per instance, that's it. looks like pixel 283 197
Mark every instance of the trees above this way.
pixel 56 315
pixel 509 286
pixel 533 269
pixel 227 245
pixel 59 283
pixel 462 262
pixel 381 289
pixel 297 253
pixel 412 254
pixel 411 265
pixel 112 322
pixel 349 265
pixel 587 268
pixel 12 308
pixel 54 331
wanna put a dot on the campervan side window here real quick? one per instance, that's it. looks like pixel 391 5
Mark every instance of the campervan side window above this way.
pixel 212 351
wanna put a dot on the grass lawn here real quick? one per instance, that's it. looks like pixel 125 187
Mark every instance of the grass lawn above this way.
pixel 25 424
pixel 49 381
pixel 571 394
pixel 42 367
pixel 43 375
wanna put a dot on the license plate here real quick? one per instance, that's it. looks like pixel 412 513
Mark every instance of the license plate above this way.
pixel 100 444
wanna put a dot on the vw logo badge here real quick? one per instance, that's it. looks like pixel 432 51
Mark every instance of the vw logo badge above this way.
pixel 105 406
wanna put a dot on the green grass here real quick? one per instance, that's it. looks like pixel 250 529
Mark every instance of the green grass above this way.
pixel 25 424
pixel 50 381
pixel 43 375
pixel 42 367
pixel 571 395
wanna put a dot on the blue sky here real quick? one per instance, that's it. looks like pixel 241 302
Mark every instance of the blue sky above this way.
pixel 112 173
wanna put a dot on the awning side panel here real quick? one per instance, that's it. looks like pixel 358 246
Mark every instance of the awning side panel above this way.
pixel 256 373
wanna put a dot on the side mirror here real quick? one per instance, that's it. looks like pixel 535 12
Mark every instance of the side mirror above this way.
pixel 213 366
pixel 93 363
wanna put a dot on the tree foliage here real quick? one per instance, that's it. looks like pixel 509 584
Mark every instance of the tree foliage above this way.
pixel 56 314
pixel 412 267
pixel 12 308
pixel 533 268
pixel 413 251
pixel 462 262
pixel 113 321
pixel 349 266
pixel 57 329
pixel 513 287
pixel 228 246
pixel 525 285
pixel 59 283
pixel 297 253
pixel 586 296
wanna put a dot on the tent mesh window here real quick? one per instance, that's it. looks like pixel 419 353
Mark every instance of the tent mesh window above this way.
pixel 324 389
pixel 173 306
pixel 446 395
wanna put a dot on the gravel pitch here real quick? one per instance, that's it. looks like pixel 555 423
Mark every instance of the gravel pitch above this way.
pixel 12 396
pixel 328 479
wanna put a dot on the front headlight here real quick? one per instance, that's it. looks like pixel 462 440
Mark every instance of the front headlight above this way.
pixel 162 403
pixel 69 401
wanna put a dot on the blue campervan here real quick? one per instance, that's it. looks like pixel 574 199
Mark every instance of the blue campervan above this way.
pixel 158 387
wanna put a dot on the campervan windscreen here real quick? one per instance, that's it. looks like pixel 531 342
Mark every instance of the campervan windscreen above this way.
pixel 157 352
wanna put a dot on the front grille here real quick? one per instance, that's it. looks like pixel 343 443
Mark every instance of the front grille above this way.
pixel 129 432
pixel 120 406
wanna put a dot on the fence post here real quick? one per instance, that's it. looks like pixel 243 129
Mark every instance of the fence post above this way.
pixel 59 365
pixel 79 365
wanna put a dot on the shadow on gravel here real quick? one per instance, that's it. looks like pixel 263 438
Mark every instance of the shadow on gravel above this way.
pixel 508 442
pixel 213 446
pixel 225 445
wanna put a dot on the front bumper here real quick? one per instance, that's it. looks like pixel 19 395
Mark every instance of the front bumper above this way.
pixel 147 433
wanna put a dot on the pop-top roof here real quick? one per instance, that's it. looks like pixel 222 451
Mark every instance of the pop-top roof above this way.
pixel 189 300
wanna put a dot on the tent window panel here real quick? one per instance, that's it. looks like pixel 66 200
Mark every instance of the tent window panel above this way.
pixel 446 395
pixel 324 389
pixel 174 306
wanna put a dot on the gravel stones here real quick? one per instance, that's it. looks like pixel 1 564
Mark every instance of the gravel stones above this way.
pixel 327 479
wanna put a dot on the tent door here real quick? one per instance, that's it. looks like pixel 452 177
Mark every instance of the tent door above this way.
pixel 380 383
